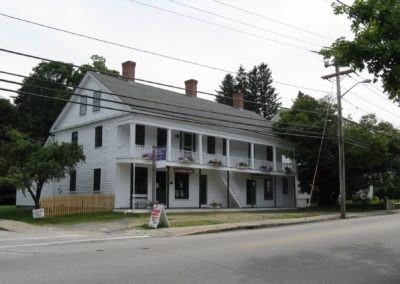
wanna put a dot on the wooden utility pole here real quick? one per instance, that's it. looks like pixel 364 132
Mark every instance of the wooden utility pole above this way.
pixel 154 175
pixel 342 173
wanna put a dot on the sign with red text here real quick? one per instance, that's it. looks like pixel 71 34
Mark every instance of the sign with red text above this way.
pixel 158 217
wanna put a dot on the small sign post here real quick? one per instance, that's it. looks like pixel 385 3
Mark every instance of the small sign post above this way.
pixel 158 217
pixel 38 213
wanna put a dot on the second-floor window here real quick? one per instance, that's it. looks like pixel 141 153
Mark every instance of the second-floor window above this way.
pixel 224 147
pixel 161 137
pixel 98 137
pixel 140 134
pixel 96 100
pixel 83 106
pixel 270 155
pixel 210 145
pixel 74 137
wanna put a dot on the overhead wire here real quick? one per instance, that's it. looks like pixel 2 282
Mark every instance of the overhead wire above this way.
pixel 221 26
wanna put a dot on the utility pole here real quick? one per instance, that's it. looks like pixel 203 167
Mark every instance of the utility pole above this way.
pixel 342 174
pixel 153 174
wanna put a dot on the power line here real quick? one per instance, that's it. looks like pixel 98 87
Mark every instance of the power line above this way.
pixel 138 79
pixel 159 115
pixel 273 20
pixel 152 109
pixel 219 25
pixel 140 99
pixel 244 23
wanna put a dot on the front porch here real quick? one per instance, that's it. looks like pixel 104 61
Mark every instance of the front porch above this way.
pixel 190 188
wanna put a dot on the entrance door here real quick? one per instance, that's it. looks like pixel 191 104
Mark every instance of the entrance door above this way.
pixel 203 190
pixel 251 192
pixel 161 190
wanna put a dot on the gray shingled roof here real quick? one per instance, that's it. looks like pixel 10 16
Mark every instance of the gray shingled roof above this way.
pixel 179 106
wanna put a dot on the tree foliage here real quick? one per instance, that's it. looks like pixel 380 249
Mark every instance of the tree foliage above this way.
pixel 376 43
pixel 33 164
pixel 372 149
pixel 256 86
pixel 50 79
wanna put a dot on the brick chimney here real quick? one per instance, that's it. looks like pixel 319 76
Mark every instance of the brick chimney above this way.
pixel 128 70
pixel 238 100
pixel 191 88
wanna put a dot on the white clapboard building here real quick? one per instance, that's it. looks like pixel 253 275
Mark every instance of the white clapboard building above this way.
pixel 207 153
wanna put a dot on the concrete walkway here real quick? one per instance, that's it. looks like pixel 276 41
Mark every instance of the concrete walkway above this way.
pixel 122 226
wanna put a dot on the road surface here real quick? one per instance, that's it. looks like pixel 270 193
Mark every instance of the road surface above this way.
pixel 364 250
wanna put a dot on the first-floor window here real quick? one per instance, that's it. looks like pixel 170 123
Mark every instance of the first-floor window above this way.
pixel 96 179
pixel 140 180
pixel 181 186
pixel 72 180
pixel 285 186
pixel 268 189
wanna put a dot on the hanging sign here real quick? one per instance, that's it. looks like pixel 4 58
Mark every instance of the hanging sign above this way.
pixel 158 217
pixel 161 154
pixel 184 170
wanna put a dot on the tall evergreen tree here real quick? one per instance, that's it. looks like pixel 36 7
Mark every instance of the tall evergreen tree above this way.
pixel 256 85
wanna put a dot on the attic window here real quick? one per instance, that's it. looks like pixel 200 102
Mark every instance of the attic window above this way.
pixel 83 106
pixel 96 100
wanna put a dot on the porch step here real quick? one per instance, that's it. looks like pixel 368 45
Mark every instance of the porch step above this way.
pixel 231 192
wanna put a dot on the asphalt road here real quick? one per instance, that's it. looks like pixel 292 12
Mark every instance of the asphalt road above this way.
pixel 365 250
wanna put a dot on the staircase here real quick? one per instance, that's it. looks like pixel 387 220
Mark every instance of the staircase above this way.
pixel 233 193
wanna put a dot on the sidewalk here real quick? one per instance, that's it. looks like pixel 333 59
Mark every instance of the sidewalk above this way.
pixel 123 226
pixel 196 230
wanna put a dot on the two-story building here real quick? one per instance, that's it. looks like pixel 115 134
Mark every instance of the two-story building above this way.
pixel 206 152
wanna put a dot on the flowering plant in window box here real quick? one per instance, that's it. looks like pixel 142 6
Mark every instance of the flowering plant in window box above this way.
pixel 242 165
pixel 265 168
pixel 288 170
pixel 186 160
pixel 147 156
pixel 215 162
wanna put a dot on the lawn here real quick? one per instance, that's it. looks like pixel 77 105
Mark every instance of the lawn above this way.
pixel 140 220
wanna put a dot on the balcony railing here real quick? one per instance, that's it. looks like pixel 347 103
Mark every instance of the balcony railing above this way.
pixel 262 165
pixel 144 152
pixel 240 162
pixel 216 160
pixel 183 156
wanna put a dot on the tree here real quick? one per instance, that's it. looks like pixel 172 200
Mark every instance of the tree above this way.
pixel 376 43
pixel 50 79
pixel 34 165
pixel 256 86
pixel 307 127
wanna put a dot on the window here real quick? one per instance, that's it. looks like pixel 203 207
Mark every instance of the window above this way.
pixel 96 179
pixel 72 181
pixel 140 133
pixel 140 180
pixel 224 147
pixel 210 145
pixel 83 106
pixel 285 186
pixel 270 155
pixel 249 150
pixel 74 137
pixel 268 189
pixel 96 100
pixel 98 138
pixel 161 137
pixel 181 186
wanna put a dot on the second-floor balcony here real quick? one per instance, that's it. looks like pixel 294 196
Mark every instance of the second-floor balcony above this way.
pixel 190 149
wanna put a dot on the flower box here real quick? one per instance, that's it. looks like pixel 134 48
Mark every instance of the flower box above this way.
pixel 265 168
pixel 147 156
pixel 242 165
pixel 186 160
pixel 215 162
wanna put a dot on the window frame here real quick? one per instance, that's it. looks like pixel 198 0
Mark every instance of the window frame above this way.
pixel 74 137
pixel 83 106
pixel 72 181
pixel 97 180
pixel 141 172
pixel 96 101
pixel 211 145
pixel 142 136
pixel 98 136
pixel 182 194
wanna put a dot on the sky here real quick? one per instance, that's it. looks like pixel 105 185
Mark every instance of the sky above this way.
pixel 277 36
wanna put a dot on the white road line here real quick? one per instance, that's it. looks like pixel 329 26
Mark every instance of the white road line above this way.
pixel 75 241
pixel 37 238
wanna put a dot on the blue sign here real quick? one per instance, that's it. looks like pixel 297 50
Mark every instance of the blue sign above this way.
pixel 161 154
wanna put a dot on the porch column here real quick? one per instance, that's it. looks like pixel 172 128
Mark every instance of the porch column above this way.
pixel 169 144
pixel 228 153
pixel 252 155
pixel 274 158
pixel 200 147
pixel 132 140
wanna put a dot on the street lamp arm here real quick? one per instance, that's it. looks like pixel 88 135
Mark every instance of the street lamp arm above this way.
pixel 361 82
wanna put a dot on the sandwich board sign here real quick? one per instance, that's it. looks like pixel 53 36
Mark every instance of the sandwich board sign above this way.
pixel 158 216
